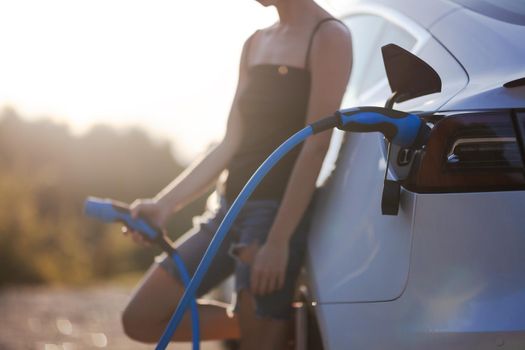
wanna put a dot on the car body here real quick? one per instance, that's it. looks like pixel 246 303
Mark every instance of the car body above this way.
pixel 447 272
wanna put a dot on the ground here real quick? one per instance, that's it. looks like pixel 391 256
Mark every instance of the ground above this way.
pixel 68 319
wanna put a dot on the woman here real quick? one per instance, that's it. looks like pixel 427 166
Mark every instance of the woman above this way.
pixel 291 74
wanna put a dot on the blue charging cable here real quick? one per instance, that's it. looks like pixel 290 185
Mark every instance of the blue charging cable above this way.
pixel 404 129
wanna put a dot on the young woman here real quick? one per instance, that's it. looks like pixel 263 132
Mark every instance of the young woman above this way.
pixel 291 74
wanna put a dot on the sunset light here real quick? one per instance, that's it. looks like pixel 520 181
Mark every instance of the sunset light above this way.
pixel 159 65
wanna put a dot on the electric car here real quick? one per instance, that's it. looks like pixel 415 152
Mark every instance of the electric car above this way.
pixel 425 249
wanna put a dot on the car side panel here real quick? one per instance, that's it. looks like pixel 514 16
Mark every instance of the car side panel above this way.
pixel 355 253
pixel 465 288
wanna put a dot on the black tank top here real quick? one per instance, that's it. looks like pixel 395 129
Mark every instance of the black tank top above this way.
pixel 273 107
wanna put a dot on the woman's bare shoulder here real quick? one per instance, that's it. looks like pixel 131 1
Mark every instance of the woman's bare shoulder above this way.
pixel 254 38
pixel 334 30
pixel 332 38
pixel 332 43
pixel 269 28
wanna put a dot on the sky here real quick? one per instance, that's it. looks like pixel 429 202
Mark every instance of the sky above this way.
pixel 168 67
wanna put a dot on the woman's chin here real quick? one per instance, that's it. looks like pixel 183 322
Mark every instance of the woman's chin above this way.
pixel 267 3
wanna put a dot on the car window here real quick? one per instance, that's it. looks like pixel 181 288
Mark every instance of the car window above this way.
pixel 369 34
pixel 511 11
pixel 365 30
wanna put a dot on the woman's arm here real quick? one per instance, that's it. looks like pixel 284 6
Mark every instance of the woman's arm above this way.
pixel 331 60
pixel 202 173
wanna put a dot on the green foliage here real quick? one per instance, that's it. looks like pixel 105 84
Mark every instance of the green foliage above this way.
pixel 45 175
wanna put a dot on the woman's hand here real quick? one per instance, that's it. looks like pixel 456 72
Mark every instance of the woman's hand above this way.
pixel 152 211
pixel 269 268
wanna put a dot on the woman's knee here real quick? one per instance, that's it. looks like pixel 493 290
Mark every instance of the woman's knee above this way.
pixel 150 305
pixel 133 324
pixel 139 323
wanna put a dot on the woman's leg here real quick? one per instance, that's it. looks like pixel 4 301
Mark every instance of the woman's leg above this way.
pixel 265 320
pixel 260 333
pixel 155 299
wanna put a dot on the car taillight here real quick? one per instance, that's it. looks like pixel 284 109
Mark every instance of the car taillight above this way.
pixel 468 152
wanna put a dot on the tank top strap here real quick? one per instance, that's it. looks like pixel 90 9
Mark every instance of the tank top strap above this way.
pixel 248 44
pixel 310 42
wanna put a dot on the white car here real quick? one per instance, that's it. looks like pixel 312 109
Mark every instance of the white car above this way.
pixel 448 271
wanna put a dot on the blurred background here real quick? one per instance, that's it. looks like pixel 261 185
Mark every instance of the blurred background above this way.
pixel 101 98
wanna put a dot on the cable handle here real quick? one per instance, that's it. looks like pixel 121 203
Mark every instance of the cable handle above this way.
pixel 109 210
pixel 404 129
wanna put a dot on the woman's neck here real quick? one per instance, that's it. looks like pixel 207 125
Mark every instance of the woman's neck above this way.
pixel 293 13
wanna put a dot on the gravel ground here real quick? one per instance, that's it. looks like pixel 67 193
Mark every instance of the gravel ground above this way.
pixel 68 319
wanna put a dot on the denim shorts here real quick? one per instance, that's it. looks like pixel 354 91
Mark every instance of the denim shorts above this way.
pixel 252 225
